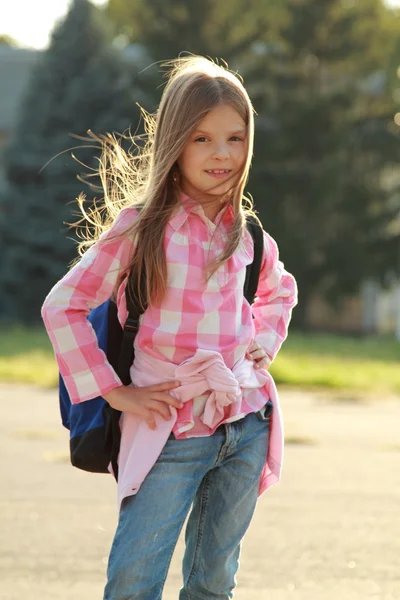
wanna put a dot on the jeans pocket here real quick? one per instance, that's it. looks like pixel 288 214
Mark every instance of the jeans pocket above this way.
pixel 264 414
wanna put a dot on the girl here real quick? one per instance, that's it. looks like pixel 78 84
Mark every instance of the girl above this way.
pixel 201 424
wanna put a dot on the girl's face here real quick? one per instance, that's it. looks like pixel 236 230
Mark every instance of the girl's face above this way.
pixel 214 156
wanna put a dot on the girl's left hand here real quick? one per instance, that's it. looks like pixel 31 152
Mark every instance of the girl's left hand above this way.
pixel 259 356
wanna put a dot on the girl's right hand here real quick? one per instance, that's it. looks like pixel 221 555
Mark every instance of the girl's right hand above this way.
pixel 145 401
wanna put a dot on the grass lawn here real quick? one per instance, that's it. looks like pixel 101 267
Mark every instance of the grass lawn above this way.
pixel 309 361
pixel 337 362
pixel 26 356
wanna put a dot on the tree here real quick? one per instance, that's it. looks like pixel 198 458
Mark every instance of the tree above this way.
pixel 319 76
pixel 81 83
pixel 169 27
pixel 326 136
pixel 7 40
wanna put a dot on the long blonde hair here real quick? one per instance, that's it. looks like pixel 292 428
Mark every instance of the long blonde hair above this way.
pixel 146 176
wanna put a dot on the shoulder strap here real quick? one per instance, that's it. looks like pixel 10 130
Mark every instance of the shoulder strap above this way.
pixel 129 332
pixel 126 354
pixel 253 270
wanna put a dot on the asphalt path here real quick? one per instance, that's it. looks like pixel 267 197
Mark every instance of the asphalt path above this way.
pixel 330 530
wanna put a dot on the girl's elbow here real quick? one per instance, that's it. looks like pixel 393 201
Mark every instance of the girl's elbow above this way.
pixel 52 306
pixel 45 307
pixel 48 309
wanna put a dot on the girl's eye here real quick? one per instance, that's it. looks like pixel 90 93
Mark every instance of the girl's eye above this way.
pixel 234 138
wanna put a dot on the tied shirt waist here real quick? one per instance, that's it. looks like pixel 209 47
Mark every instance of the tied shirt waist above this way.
pixel 204 373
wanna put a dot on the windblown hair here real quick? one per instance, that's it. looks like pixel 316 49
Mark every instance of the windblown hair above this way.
pixel 148 177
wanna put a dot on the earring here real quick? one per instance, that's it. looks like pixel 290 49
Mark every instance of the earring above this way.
pixel 175 173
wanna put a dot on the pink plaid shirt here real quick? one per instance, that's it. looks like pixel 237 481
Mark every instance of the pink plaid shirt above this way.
pixel 210 316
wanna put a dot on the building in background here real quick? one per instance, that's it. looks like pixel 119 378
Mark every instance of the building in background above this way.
pixel 374 310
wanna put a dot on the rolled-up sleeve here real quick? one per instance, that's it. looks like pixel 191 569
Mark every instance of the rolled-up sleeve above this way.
pixel 275 298
pixel 83 366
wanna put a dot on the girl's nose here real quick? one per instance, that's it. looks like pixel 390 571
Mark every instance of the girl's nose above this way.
pixel 221 151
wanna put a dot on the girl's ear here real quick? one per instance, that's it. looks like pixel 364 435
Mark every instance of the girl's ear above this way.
pixel 175 173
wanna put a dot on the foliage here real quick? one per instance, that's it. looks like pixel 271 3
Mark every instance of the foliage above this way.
pixel 81 83
pixel 7 40
pixel 216 29
pixel 326 136
pixel 321 78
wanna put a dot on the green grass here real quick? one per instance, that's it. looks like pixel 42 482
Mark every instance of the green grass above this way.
pixel 26 356
pixel 312 361
pixel 335 362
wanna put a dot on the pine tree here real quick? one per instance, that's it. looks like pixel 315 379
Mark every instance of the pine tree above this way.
pixel 220 30
pixel 326 135
pixel 319 78
pixel 81 83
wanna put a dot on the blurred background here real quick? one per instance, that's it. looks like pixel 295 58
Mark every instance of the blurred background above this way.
pixel 324 78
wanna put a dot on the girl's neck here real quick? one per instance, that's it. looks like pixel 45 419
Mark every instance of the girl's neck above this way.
pixel 211 211
pixel 211 207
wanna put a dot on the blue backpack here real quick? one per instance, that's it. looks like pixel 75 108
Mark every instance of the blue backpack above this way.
pixel 93 424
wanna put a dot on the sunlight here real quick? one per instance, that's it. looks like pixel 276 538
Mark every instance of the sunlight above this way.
pixel 30 23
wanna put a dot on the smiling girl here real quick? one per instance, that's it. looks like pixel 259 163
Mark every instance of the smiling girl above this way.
pixel 201 424
pixel 215 152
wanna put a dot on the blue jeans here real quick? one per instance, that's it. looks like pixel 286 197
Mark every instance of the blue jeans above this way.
pixel 219 475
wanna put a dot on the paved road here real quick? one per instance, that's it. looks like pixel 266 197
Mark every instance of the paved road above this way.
pixel 330 530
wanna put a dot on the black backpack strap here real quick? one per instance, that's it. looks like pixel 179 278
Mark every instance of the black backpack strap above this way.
pixel 130 329
pixel 125 361
pixel 253 270
pixel 126 354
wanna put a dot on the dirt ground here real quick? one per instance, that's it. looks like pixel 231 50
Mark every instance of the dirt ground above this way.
pixel 330 530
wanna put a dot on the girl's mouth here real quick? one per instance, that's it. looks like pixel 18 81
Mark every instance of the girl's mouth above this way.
pixel 218 173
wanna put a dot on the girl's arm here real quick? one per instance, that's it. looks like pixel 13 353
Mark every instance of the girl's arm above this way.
pixel 84 367
pixel 275 298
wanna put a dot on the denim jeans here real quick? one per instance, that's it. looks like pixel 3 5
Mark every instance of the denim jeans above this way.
pixel 218 476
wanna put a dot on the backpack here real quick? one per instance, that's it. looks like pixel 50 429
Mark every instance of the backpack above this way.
pixel 93 424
